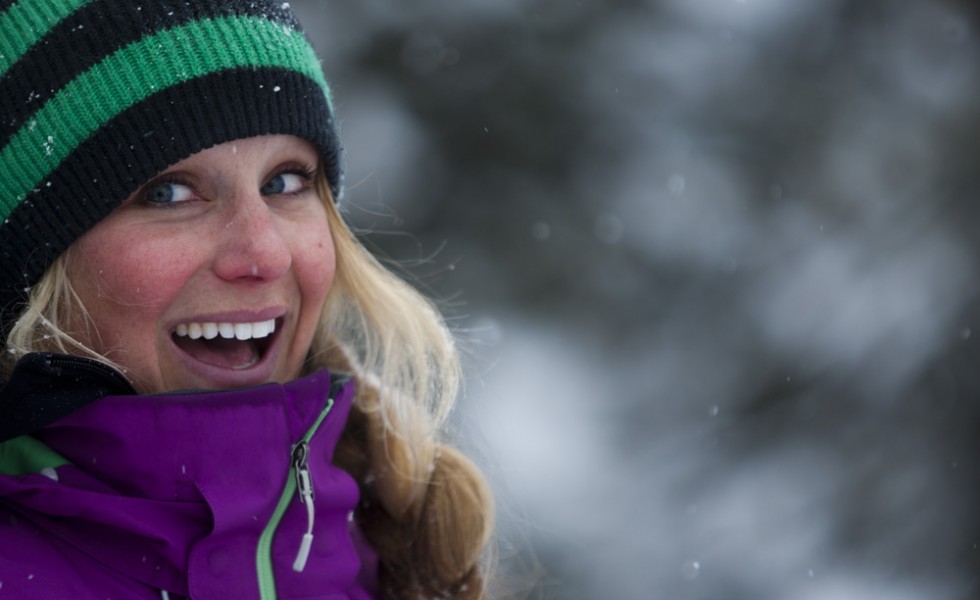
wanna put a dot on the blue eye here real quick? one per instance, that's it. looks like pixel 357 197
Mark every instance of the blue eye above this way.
pixel 284 183
pixel 167 193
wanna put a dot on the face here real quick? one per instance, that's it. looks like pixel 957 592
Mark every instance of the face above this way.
pixel 214 273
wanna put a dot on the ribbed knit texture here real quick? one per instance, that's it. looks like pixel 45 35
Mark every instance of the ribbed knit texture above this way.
pixel 98 96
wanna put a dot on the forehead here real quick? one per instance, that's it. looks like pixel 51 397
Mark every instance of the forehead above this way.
pixel 251 150
pixel 246 160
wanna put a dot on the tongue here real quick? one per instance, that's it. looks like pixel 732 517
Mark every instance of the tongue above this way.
pixel 221 352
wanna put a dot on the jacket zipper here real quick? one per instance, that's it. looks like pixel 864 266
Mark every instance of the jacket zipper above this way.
pixel 301 481
pixel 304 486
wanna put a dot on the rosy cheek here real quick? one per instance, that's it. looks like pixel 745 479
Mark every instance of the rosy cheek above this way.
pixel 132 275
pixel 325 262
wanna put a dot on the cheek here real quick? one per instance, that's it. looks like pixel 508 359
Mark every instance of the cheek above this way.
pixel 314 260
pixel 119 279
pixel 316 269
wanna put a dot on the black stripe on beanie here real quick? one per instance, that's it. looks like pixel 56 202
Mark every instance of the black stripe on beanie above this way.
pixel 94 31
pixel 179 121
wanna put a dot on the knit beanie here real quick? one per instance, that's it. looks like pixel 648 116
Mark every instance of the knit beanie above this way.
pixel 98 96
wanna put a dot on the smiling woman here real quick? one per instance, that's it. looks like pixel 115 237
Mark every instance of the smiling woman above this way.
pixel 223 249
pixel 212 389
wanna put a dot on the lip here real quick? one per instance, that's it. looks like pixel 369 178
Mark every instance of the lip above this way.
pixel 207 376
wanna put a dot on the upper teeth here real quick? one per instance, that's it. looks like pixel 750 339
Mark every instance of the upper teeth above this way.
pixel 240 331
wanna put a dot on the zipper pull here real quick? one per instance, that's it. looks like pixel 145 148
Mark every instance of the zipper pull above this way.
pixel 304 487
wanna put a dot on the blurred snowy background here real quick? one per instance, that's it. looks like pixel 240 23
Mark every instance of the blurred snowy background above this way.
pixel 715 264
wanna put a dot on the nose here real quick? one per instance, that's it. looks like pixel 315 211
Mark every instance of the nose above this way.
pixel 252 244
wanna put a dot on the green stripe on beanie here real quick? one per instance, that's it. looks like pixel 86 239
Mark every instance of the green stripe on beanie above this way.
pixel 26 22
pixel 132 74
pixel 98 96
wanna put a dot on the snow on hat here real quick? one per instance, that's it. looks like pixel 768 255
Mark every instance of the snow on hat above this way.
pixel 98 96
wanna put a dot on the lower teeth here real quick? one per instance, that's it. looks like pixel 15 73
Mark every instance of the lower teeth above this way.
pixel 246 365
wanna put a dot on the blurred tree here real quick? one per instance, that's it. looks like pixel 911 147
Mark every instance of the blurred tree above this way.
pixel 747 223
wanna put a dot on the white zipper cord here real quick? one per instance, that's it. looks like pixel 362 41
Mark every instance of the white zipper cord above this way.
pixel 305 488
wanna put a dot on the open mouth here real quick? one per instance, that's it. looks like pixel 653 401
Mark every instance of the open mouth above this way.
pixel 234 346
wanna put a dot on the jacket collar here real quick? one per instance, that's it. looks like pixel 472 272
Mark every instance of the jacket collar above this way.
pixel 45 387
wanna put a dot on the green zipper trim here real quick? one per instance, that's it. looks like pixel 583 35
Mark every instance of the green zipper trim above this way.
pixel 25 455
pixel 263 555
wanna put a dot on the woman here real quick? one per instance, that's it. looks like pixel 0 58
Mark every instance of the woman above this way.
pixel 212 390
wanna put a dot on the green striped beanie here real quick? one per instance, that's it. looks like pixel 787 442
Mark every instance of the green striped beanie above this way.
pixel 98 96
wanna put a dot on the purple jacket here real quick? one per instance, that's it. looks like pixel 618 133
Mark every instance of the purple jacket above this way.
pixel 186 495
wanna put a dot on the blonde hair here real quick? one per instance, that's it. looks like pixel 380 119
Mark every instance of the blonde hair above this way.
pixel 40 327
pixel 425 507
